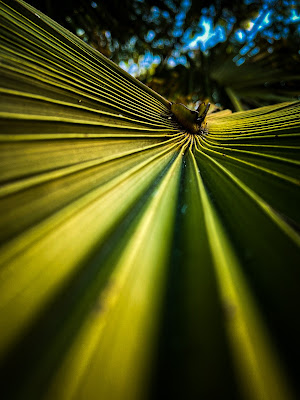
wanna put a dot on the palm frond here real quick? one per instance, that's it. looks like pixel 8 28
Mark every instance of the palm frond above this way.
pixel 138 260
pixel 262 79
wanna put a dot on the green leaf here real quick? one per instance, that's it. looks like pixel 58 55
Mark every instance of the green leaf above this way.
pixel 139 260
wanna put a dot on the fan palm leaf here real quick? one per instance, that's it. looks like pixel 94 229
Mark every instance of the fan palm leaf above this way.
pixel 138 259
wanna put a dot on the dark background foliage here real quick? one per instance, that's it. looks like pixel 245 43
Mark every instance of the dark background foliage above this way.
pixel 250 59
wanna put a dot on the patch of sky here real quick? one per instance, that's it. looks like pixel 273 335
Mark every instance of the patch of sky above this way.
pixel 176 53
pixel 200 39
pixel 262 21
pixel 172 62
pixel 240 61
pixel 240 36
pixel 132 41
pixel 177 32
pixel 254 51
pixel 148 58
pixel 158 43
pixel 269 34
pixel 285 32
pixel 294 16
pixel 133 69
pixel 218 35
pixel 145 62
pixel 123 65
pixel 156 59
pixel 182 60
pixel 80 32
pixel 208 38
pixel 266 21
pixel 186 4
pixel 179 19
pixel 211 11
pixel 150 36
pixel 245 49
pixel 154 12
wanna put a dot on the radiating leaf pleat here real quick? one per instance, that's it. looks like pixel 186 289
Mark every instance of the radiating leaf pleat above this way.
pixel 138 260
pixel 259 374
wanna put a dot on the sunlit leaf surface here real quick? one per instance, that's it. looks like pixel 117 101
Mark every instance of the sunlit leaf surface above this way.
pixel 137 260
